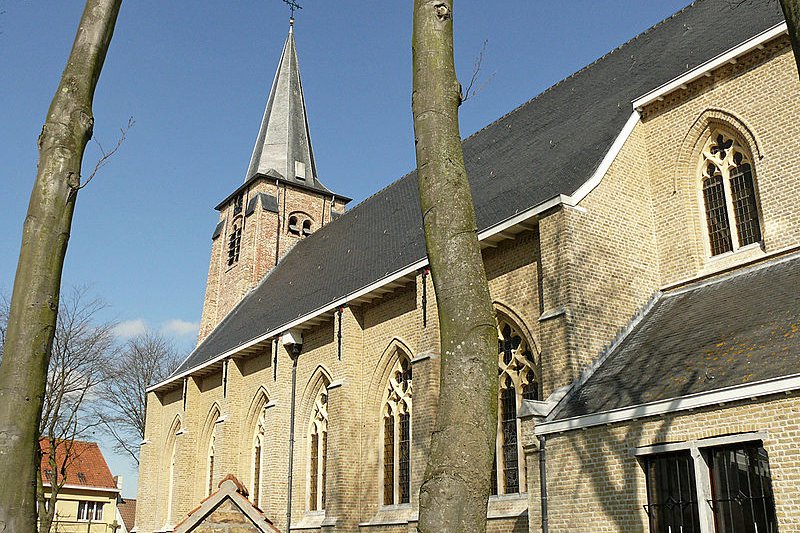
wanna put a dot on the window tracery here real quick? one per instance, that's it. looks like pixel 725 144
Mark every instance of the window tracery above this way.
pixel 517 382
pixel 729 195
pixel 397 434
pixel 258 455
pixel 318 456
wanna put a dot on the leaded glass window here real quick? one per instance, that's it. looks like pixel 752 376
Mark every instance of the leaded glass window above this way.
pixel 729 195
pixel 397 434
pixel 741 486
pixel 318 452
pixel 517 375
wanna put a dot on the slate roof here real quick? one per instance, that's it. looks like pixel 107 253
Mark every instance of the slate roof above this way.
pixel 738 329
pixel 548 146
pixel 86 465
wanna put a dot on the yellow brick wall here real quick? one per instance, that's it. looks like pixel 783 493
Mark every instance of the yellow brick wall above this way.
pixel 594 470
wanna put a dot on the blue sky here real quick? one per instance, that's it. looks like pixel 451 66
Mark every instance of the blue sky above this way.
pixel 195 77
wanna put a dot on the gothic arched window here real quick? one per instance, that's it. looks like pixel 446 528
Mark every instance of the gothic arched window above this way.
pixel 729 194
pixel 517 382
pixel 258 456
pixel 211 463
pixel 211 432
pixel 318 454
pixel 172 446
pixel 234 243
pixel 397 434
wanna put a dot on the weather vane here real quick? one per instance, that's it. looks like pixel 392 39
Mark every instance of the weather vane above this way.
pixel 293 5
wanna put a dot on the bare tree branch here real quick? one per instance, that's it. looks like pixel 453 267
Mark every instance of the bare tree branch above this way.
pixel 105 156
pixel 469 92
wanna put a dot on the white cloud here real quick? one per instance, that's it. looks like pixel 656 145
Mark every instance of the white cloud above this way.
pixel 130 328
pixel 180 327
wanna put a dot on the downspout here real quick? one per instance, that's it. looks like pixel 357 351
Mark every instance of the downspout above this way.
pixel 295 353
pixel 543 482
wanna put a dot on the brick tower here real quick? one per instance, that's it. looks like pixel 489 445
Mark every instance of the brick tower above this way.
pixel 280 202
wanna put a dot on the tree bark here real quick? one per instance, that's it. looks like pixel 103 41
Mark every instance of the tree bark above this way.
pixel 34 301
pixel 791 11
pixel 455 488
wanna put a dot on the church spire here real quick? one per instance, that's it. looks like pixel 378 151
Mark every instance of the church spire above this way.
pixel 283 146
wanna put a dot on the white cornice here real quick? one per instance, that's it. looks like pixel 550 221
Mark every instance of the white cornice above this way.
pixel 717 397
pixel 701 70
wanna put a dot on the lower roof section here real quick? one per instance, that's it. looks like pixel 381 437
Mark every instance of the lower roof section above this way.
pixel 734 332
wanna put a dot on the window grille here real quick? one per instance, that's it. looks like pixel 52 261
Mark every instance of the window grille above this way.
pixel 517 378
pixel 672 493
pixel 729 195
pixel 256 473
pixel 397 434
pixel 237 204
pixel 313 487
pixel 210 474
pixel 741 487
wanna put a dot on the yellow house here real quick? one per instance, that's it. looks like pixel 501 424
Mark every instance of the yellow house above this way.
pixel 87 502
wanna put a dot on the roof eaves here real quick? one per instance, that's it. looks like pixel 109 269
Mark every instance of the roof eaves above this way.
pixel 689 76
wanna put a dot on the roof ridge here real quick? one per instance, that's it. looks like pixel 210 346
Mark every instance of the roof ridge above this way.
pixel 582 70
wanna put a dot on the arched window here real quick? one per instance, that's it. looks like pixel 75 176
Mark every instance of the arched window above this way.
pixel 234 243
pixel 397 434
pixel 318 453
pixel 306 228
pixel 294 228
pixel 517 382
pixel 729 194
pixel 258 456
pixel 211 463
pixel 172 446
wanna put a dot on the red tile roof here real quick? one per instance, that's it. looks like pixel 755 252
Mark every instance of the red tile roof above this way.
pixel 127 510
pixel 84 465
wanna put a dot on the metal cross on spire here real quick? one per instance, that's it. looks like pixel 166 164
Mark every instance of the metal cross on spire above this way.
pixel 293 5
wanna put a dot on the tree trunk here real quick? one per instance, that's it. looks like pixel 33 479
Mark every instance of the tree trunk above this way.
pixel 455 488
pixel 34 301
pixel 791 11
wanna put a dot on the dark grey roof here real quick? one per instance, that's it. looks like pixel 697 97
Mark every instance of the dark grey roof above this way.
pixel 742 328
pixel 268 203
pixel 549 146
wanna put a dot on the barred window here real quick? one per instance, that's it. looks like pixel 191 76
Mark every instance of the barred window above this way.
pixel 397 434
pixel 234 244
pixel 318 451
pixel 729 195
pixel 517 375
pixel 736 476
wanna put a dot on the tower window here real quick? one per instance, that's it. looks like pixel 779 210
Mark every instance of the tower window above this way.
pixel 294 229
pixel 234 244
pixel 306 228
pixel 729 195
pixel 237 204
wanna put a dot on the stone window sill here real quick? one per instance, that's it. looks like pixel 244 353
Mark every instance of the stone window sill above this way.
pixel 389 515
pixel 507 505
pixel 310 520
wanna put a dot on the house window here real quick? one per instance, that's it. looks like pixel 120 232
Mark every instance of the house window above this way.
pixel 90 511
pixel 318 454
pixel 234 244
pixel 517 382
pixel 736 476
pixel 397 434
pixel 729 195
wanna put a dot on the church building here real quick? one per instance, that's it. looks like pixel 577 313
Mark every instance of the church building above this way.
pixel 641 238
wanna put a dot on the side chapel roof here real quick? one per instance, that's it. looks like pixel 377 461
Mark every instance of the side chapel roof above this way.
pixel 524 159
pixel 736 329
